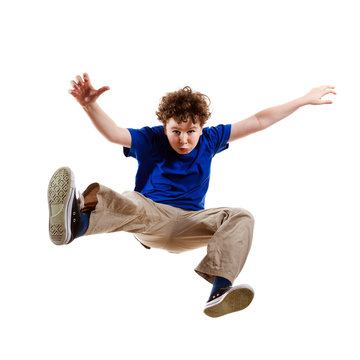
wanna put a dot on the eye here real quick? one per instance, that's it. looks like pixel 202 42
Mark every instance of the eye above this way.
pixel 191 131
pixel 176 132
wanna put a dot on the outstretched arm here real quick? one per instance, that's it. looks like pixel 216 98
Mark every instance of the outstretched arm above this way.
pixel 270 116
pixel 86 96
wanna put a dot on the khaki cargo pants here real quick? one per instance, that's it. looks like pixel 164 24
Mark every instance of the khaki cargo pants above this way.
pixel 227 232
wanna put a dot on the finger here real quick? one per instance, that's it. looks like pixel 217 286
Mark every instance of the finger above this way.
pixel 73 92
pixel 329 92
pixel 103 89
pixel 327 87
pixel 326 102
pixel 79 80
pixel 74 84
pixel 86 78
pixel 332 92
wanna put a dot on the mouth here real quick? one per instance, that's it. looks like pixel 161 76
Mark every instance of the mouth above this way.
pixel 184 149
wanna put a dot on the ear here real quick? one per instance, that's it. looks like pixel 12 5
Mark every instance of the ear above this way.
pixel 165 130
pixel 165 123
pixel 201 129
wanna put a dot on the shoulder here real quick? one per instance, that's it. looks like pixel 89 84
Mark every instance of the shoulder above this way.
pixel 147 131
pixel 217 137
pixel 148 135
pixel 218 131
pixel 145 140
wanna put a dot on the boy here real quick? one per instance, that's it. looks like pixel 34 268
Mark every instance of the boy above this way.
pixel 166 208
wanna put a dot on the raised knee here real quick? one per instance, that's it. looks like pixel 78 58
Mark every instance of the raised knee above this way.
pixel 251 217
pixel 245 214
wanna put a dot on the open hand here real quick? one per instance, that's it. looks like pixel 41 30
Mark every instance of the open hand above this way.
pixel 84 92
pixel 315 95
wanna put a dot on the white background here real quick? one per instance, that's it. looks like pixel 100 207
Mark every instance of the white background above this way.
pixel 106 297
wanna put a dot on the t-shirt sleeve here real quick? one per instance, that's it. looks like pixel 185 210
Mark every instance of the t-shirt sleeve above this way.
pixel 143 141
pixel 218 137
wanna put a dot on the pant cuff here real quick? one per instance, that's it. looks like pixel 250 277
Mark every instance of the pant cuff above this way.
pixel 209 275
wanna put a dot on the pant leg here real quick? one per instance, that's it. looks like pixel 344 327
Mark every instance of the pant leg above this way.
pixel 229 247
pixel 130 212
pixel 227 232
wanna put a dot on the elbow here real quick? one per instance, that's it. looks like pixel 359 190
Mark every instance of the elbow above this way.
pixel 120 137
pixel 110 136
pixel 260 122
pixel 113 139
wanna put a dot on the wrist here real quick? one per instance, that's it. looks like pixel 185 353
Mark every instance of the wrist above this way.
pixel 302 101
pixel 90 107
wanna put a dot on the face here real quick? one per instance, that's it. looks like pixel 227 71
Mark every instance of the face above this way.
pixel 183 137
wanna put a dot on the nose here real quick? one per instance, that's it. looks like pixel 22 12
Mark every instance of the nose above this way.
pixel 183 138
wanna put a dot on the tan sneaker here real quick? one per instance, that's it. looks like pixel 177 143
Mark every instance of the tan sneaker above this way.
pixel 64 213
pixel 229 299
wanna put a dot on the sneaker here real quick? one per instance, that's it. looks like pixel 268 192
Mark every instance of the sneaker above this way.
pixel 64 212
pixel 229 299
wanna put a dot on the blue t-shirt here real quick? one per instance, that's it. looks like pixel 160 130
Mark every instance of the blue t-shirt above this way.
pixel 170 178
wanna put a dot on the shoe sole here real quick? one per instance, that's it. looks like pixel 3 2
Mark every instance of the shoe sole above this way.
pixel 61 192
pixel 236 299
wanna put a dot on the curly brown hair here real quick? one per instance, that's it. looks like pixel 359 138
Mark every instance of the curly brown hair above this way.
pixel 184 104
